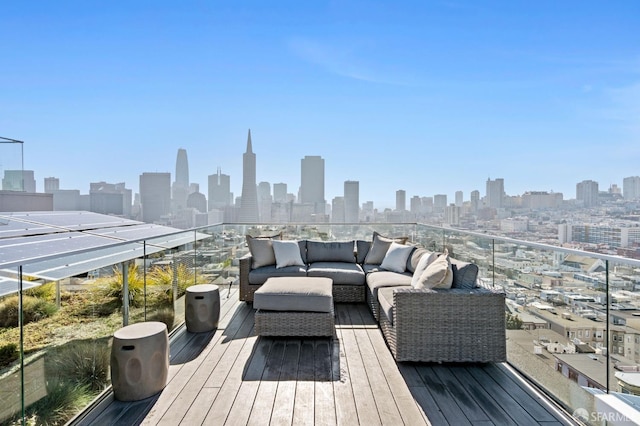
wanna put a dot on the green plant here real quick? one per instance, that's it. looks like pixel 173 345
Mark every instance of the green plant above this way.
pixel 166 316
pixel 513 322
pixel 33 309
pixel 81 362
pixel 45 291
pixel 112 286
pixel 62 402
pixel 8 354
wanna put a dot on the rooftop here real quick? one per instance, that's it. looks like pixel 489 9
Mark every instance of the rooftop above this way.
pixel 232 376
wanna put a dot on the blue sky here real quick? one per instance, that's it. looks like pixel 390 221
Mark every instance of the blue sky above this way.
pixel 429 97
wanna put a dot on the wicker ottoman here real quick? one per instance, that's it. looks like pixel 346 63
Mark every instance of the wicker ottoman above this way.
pixel 294 306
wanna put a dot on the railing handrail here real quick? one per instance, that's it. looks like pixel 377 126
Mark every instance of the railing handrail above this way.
pixel 542 246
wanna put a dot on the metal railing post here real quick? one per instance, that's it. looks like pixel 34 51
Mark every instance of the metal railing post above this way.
pixel 606 262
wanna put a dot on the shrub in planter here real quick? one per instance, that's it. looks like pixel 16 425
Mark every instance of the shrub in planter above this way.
pixel 8 354
pixel 33 309
pixel 80 362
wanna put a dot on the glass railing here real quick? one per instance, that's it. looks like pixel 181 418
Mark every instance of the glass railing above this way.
pixel 572 316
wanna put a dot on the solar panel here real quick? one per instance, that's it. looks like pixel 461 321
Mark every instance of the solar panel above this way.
pixel 57 245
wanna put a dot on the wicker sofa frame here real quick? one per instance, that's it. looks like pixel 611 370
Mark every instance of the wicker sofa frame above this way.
pixel 456 325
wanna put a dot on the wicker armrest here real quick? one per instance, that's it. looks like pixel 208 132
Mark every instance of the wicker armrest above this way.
pixel 456 325
pixel 245 268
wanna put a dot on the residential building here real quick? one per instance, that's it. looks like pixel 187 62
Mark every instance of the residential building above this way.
pixel 51 184
pixel 631 188
pixel 587 193
pixel 495 193
pixel 19 180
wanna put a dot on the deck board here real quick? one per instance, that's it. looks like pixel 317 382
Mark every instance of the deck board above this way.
pixel 230 376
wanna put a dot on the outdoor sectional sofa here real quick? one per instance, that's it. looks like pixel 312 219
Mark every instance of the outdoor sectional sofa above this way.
pixel 462 324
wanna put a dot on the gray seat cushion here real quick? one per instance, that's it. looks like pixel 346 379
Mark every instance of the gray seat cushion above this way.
pixel 295 294
pixel 385 300
pixel 342 273
pixel 378 280
pixel 259 276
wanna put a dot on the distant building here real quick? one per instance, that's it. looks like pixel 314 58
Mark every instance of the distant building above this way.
pixel 110 198
pixel 453 215
pixel 180 188
pixel 280 192
pixel 495 193
pixel 439 203
pixel 219 191
pixel 19 201
pixel 587 192
pixel 368 212
pixel 631 188
pixel 197 200
pixel 155 196
pixel 475 200
pixel 351 201
pixel 67 200
pixel 19 180
pixel 337 210
pixel 51 184
pixel 459 198
pixel 249 200
pixel 415 205
pixel 264 201
pixel 541 200
pixel 401 200
pixel 312 182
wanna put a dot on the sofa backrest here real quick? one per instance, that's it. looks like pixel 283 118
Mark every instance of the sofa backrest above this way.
pixel 330 251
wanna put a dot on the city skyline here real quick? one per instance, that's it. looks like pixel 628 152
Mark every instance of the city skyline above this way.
pixel 430 98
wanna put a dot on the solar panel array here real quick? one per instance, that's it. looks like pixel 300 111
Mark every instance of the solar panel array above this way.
pixel 57 245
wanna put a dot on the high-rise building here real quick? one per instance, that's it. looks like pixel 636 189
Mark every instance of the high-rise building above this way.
pixel 439 203
pixel 351 201
pixel 155 196
pixel 280 192
pixel 452 214
pixel 197 200
pixel 337 210
pixel 415 205
pixel 541 200
pixel 495 193
pixel 249 202
pixel 51 184
pixel 312 183
pixel 587 192
pixel 459 198
pixel 19 180
pixel 180 189
pixel 219 191
pixel 401 200
pixel 110 198
pixel 631 188
pixel 368 212
pixel 264 201
pixel 475 200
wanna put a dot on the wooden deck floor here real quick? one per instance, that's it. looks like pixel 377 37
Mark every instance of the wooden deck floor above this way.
pixel 232 377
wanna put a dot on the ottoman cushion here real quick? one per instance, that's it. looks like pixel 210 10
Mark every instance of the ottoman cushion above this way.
pixel 306 294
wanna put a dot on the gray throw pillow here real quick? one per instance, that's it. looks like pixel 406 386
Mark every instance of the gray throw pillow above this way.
pixel 330 251
pixel 379 247
pixel 261 250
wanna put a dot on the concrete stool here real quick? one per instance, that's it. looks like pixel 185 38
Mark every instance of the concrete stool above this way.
pixel 139 360
pixel 202 310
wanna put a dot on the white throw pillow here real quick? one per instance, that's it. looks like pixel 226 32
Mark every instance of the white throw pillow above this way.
pixel 287 253
pixel 396 258
pixel 424 261
pixel 438 274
